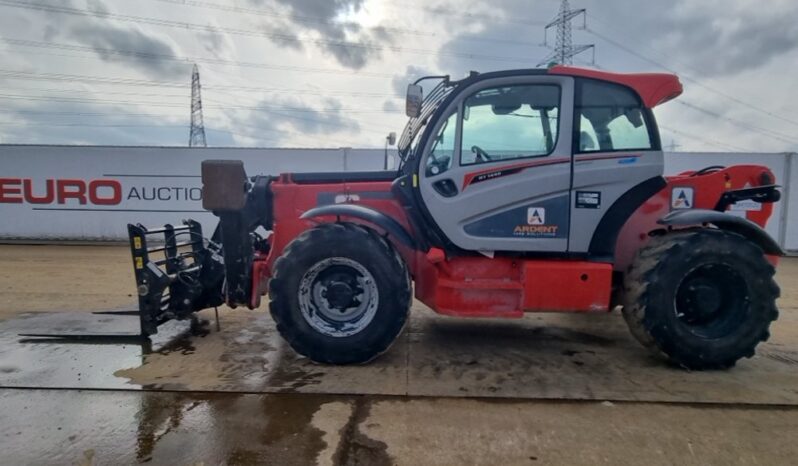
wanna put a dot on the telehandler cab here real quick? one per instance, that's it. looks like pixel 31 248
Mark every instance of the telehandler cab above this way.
pixel 518 191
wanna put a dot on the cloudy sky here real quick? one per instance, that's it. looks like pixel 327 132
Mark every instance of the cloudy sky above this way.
pixel 330 73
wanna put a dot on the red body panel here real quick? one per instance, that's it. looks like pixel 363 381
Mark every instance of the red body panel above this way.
pixel 292 200
pixel 707 190
pixel 504 287
pixel 478 286
pixel 567 286
pixel 653 88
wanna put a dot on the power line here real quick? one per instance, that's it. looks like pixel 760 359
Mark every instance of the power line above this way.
pixel 471 16
pixel 92 114
pixel 690 79
pixel 90 100
pixel 185 60
pixel 275 110
pixel 84 125
pixel 768 133
pixel 106 125
pixel 243 32
pixel 14 74
pixel 380 131
pixel 439 11
pixel 292 133
pixel 272 13
pixel 747 126
pixel 326 21
pixel 183 127
pixel 91 92
pixel 292 91
pixel 304 118
pixel 710 142
pixel 113 125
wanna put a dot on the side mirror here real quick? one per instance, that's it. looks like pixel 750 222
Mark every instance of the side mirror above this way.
pixel 415 95
pixel 224 185
pixel 391 139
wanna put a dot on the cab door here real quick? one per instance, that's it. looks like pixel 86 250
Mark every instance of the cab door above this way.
pixel 618 163
pixel 496 175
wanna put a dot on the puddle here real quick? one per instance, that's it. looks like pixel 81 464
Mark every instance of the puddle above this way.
pixel 67 427
pixel 48 363
pixel 557 358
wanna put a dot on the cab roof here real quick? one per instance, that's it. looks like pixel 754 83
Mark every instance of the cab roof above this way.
pixel 653 88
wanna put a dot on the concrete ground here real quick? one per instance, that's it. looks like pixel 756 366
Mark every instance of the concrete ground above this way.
pixel 549 389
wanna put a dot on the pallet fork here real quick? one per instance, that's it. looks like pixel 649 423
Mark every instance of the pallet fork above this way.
pixel 171 287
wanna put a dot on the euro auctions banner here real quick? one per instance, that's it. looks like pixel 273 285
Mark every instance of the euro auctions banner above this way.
pixel 92 193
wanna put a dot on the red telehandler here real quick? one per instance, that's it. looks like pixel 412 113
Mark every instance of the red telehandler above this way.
pixel 518 191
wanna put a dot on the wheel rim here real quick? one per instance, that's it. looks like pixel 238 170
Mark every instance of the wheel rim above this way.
pixel 712 300
pixel 338 297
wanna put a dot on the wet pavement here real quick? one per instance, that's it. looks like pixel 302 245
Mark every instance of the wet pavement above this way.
pixel 547 389
pixel 65 427
pixel 167 428
pixel 559 357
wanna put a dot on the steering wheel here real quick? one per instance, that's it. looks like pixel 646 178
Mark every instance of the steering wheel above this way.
pixel 482 156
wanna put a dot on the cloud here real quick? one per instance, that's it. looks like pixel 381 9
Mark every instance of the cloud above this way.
pixel 97 6
pixel 349 43
pixel 104 37
pixel 218 43
pixel 213 42
pixel 727 38
pixel 50 33
pixel 283 35
pixel 412 72
pixel 390 106
pixel 481 48
pixel 724 45
pixel 81 123
pixel 292 114
pixel 712 38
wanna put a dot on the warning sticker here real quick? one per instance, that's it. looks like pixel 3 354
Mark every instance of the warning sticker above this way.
pixel 682 198
pixel 588 200
pixel 745 206
pixel 536 216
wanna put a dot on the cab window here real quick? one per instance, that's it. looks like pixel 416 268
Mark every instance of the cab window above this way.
pixel 442 153
pixel 510 122
pixel 610 118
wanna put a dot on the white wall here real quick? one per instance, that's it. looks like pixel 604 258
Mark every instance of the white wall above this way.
pixel 789 205
pixel 143 172
pixel 154 184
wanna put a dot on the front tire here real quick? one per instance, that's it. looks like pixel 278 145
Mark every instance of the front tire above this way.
pixel 704 298
pixel 340 294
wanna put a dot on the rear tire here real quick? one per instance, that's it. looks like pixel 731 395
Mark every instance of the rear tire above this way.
pixel 340 294
pixel 704 298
